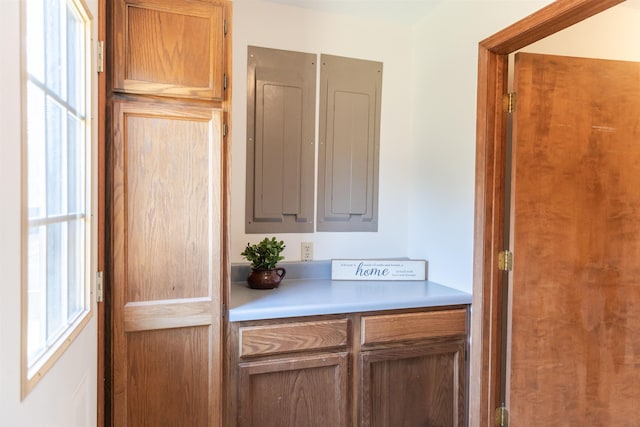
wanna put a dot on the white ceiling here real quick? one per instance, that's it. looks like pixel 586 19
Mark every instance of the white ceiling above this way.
pixel 401 11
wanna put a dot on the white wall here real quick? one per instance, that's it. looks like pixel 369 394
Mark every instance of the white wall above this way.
pixel 272 25
pixel 66 396
pixel 612 34
pixel 427 144
pixel 441 203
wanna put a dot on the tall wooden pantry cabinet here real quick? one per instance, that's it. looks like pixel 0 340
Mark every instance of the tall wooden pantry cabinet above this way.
pixel 168 63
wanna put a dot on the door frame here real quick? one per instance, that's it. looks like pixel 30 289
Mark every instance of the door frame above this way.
pixel 101 309
pixel 490 190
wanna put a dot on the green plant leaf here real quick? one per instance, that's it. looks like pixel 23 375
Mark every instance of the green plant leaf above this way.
pixel 265 254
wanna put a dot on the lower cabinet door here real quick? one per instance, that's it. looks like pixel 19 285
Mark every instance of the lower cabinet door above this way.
pixel 310 390
pixel 414 386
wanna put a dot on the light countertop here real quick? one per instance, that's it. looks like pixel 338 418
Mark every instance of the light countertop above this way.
pixel 317 296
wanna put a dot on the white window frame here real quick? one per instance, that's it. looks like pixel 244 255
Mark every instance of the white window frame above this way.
pixel 33 370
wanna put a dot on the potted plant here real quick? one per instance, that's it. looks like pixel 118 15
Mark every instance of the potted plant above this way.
pixel 264 257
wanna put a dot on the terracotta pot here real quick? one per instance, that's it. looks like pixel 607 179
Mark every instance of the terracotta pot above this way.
pixel 265 279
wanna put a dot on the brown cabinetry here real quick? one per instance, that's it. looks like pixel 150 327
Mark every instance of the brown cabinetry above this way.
pixel 167 210
pixel 393 368
pixel 290 373
pixel 412 369
pixel 170 48
pixel 298 391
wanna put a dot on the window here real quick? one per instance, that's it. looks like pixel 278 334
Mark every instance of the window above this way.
pixel 56 181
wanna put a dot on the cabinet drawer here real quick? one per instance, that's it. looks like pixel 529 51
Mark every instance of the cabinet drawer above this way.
pixel 413 326
pixel 292 337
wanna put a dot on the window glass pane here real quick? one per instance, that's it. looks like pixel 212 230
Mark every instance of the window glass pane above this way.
pixel 56 174
pixel 56 278
pixel 56 164
pixel 75 61
pixel 36 152
pixel 35 39
pixel 54 47
pixel 37 274
pixel 76 260
pixel 75 163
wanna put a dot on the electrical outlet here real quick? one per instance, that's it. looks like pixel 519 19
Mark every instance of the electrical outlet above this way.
pixel 307 251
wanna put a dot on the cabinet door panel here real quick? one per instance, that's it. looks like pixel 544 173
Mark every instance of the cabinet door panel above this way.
pixel 162 47
pixel 305 391
pixel 166 275
pixel 414 386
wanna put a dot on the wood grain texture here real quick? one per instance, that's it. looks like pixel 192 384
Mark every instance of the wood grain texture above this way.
pixel 165 250
pixel 309 390
pixel 149 315
pixel 169 48
pixel 489 234
pixel 293 337
pixel 168 382
pixel 415 386
pixel 548 20
pixel 102 407
pixel 490 187
pixel 390 328
pixel 575 330
pixel 410 371
pixel 168 176
pixel 168 200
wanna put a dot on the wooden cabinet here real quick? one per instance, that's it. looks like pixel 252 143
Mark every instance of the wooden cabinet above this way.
pixel 393 368
pixel 167 212
pixel 413 370
pixel 290 373
pixel 169 48
pixel 166 283
pixel 307 390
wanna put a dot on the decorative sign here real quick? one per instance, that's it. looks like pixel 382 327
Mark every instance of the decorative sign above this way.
pixel 378 269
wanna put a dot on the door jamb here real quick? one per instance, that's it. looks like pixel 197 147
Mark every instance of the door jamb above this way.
pixel 102 328
pixel 490 190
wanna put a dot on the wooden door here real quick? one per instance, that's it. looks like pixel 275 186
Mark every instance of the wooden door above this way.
pixel 166 265
pixel 575 234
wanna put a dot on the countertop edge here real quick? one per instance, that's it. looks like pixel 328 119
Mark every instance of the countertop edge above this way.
pixel 314 297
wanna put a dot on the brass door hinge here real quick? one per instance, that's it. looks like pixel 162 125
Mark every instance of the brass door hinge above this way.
pixel 509 102
pixel 224 83
pixel 502 417
pixel 505 261
pixel 100 57
pixel 225 28
pixel 99 287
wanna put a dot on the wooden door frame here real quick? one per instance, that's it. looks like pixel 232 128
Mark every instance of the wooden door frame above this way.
pixel 102 153
pixel 490 190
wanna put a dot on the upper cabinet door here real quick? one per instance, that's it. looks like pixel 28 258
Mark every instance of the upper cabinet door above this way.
pixel 168 48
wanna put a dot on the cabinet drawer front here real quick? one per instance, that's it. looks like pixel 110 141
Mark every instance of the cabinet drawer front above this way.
pixel 291 337
pixel 413 326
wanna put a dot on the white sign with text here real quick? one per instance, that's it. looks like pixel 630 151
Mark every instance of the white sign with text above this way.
pixel 378 269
